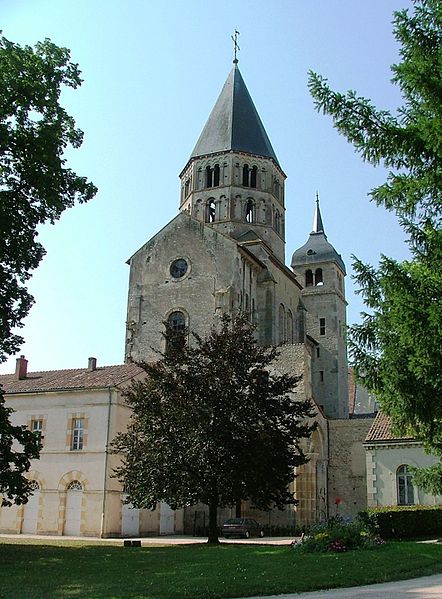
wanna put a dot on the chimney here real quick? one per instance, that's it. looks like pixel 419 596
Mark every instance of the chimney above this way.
pixel 92 364
pixel 21 368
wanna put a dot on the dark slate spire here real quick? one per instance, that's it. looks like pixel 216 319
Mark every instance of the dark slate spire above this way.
pixel 234 123
pixel 318 227
pixel 317 249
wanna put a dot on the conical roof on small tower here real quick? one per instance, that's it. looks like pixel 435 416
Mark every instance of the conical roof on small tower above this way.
pixel 234 123
pixel 317 248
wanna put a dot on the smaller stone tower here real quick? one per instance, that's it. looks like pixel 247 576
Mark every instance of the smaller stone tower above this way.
pixel 321 271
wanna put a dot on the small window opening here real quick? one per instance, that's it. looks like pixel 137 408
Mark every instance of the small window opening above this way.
pixel 209 178
pixel 187 187
pixel 277 188
pixel 322 326
pixel 289 326
pixel 216 175
pixel 318 352
pixel 277 221
pixel 319 277
pixel 308 278
pixel 282 324
pixel 250 211
pixel 321 376
pixel 210 211
pixel 253 175
pixel 245 175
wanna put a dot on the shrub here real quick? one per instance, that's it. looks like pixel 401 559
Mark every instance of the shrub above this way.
pixel 338 535
pixel 394 522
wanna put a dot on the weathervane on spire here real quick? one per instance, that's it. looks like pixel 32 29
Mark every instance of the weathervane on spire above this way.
pixel 317 198
pixel 235 46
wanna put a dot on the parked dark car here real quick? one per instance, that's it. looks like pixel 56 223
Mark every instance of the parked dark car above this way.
pixel 242 527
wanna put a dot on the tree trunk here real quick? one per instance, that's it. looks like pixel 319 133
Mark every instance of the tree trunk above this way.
pixel 238 508
pixel 213 525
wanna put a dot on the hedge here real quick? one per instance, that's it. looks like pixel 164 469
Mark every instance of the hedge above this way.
pixel 396 522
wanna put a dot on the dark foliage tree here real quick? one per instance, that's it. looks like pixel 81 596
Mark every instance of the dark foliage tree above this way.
pixel 17 447
pixel 396 349
pixel 213 423
pixel 35 187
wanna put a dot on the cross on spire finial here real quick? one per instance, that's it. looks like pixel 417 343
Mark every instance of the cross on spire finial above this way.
pixel 235 46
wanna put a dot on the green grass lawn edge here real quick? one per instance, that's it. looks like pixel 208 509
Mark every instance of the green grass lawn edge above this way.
pixel 60 570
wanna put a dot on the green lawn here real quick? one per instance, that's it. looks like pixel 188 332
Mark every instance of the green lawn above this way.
pixel 54 570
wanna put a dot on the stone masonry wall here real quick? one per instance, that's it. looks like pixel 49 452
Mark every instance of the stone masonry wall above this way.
pixel 347 466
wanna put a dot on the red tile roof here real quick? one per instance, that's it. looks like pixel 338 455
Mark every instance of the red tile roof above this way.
pixel 75 378
pixel 381 430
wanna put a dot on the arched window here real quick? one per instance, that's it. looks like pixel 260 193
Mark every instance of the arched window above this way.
pixel 289 326
pixel 187 187
pixel 216 175
pixel 209 177
pixel 277 221
pixel 308 278
pixel 404 485
pixel 253 174
pixel 245 175
pixel 277 188
pixel 75 485
pixel 282 335
pixel 318 277
pixel 177 322
pixel 300 321
pixel 176 334
pixel 250 211
pixel 210 211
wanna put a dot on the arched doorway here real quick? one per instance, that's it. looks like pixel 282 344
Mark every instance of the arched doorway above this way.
pixel 30 512
pixel 74 495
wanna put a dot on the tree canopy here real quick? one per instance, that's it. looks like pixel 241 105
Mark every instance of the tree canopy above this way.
pixel 396 349
pixel 36 186
pixel 213 422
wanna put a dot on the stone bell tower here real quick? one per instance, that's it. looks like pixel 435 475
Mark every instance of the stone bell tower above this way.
pixel 322 271
pixel 232 180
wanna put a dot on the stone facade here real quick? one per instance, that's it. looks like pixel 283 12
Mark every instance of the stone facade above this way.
pixel 347 494
pixel 224 253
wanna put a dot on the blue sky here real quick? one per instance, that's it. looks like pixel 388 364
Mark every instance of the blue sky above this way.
pixel 152 73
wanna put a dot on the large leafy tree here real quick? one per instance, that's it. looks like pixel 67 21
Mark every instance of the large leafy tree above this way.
pixel 214 423
pixel 36 186
pixel 396 349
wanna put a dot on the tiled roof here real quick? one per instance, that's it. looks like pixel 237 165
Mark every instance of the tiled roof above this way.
pixel 381 430
pixel 76 378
